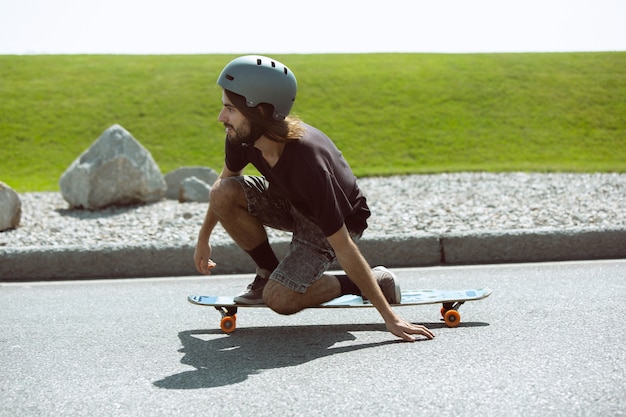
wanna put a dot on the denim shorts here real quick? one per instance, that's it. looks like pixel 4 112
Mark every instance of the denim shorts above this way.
pixel 309 254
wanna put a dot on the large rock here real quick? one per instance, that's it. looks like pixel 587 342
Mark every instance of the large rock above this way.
pixel 175 179
pixel 195 190
pixel 10 208
pixel 115 170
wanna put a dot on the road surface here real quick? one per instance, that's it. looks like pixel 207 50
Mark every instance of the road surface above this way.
pixel 549 341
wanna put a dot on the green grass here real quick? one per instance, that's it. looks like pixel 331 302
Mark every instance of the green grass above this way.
pixel 389 113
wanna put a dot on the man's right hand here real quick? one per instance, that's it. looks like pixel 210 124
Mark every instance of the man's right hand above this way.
pixel 202 258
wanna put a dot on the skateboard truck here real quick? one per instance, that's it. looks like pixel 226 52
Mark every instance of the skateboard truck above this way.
pixel 450 313
pixel 229 318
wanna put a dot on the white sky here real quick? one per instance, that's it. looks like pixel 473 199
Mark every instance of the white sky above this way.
pixel 298 26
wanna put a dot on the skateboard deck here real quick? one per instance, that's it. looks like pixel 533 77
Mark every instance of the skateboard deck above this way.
pixel 450 299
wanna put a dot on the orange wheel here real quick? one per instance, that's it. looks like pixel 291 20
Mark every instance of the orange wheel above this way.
pixel 228 324
pixel 452 318
pixel 443 312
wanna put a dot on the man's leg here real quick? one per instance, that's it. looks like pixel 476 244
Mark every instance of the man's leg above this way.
pixel 232 199
pixel 301 279
pixel 284 300
pixel 229 203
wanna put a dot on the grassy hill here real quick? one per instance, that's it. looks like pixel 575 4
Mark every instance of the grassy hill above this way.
pixel 389 113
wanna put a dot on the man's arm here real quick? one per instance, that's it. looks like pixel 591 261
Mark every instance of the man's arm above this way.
pixel 357 268
pixel 202 254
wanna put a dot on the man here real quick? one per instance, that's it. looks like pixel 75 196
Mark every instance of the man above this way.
pixel 307 188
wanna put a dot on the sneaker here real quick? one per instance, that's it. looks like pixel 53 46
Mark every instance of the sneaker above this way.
pixel 387 282
pixel 253 294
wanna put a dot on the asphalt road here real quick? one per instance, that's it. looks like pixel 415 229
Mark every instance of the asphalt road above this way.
pixel 549 341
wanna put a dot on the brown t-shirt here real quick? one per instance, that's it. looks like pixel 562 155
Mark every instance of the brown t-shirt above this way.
pixel 315 177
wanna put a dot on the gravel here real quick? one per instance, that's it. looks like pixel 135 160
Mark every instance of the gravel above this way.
pixel 433 204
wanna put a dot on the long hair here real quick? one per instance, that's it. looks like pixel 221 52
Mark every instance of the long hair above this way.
pixel 262 122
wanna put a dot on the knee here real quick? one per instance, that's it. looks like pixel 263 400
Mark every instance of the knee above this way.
pixel 282 308
pixel 280 299
pixel 225 194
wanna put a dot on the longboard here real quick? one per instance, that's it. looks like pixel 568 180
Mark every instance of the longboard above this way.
pixel 450 299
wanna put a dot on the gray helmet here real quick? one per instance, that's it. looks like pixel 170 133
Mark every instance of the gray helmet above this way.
pixel 261 80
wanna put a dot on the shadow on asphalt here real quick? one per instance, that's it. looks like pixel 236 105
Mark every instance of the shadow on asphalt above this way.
pixel 221 360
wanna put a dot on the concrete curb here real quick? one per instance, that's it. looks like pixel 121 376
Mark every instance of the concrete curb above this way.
pixel 123 261
pixel 534 246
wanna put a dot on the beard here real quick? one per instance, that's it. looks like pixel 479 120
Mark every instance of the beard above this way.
pixel 242 135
